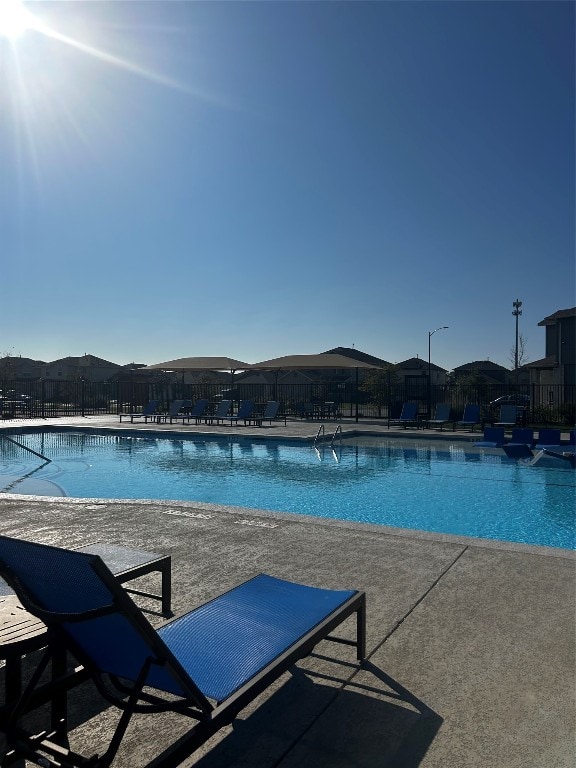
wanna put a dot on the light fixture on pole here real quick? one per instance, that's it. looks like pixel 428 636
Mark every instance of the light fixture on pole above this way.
pixel 430 334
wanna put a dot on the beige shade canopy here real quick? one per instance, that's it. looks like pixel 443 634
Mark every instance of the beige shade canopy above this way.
pixel 199 364
pixel 323 360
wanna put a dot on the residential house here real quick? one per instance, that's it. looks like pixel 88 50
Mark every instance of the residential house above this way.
pixel 14 368
pixel 415 371
pixel 560 349
pixel 87 367
pixel 553 377
pixel 492 373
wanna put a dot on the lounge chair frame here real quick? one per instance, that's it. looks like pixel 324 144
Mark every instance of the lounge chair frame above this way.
pixel 150 411
pixel 408 416
pixel 222 413
pixel 508 416
pixel 549 438
pixel 131 698
pixel 470 418
pixel 245 413
pixel 494 437
pixel 441 416
pixel 269 414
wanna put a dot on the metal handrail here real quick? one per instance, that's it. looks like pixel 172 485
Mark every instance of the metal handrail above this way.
pixel 338 430
pixel 320 431
pixel 26 448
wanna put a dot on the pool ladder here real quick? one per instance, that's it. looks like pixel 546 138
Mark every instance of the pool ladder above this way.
pixel 15 482
pixel 25 447
pixel 322 431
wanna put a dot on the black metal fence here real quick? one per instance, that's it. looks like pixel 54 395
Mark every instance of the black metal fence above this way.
pixel 540 404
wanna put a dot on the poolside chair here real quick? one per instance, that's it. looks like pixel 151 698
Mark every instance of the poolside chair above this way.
pixel 206 665
pixel 508 416
pixel 408 415
pixel 270 413
pixel 306 410
pixel 198 410
pixel 470 417
pixel 148 412
pixel 522 436
pixel 221 412
pixel 175 410
pixel 441 416
pixel 493 438
pixel 245 411
pixel 548 438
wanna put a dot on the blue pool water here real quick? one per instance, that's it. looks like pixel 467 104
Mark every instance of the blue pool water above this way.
pixel 426 485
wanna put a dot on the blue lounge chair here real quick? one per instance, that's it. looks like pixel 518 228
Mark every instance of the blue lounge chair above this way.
pixel 197 411
pixel 493 438
pixel 408 415
pixel 270 413
pixel 549 438
pixel 244 414
pixel 508 416
pixel 470 417
pixel 221 412
pixel 206 665
pixel 305 410
pixel 148 412
pixel 441 416
pixel 175 410
pixel 522 436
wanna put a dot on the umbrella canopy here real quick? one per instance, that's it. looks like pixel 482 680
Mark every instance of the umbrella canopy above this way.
pixel 307 362
pixel 323 360
pixel 199 364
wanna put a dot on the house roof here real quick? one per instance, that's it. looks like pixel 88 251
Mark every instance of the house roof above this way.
pixel 560 315
pixel 356 354
pixel 419 364
pixel 480 365
pixel 12 360
pixel 545 362
pixel 84 361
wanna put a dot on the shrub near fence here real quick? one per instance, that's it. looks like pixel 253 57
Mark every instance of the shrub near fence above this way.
pixel 52 398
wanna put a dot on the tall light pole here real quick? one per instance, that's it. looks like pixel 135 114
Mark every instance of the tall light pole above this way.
pixel 516 312
pixel 430 334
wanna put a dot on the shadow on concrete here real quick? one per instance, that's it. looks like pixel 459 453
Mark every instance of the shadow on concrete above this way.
pixel 372 722
pixel 360 717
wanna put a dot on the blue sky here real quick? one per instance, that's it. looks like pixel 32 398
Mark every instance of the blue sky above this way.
pixel 256 179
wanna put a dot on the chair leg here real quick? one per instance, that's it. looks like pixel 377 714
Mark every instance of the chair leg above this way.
pixel 361 630
pixel 166 577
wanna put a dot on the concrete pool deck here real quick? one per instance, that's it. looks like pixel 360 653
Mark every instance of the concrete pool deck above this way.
pixel 471 642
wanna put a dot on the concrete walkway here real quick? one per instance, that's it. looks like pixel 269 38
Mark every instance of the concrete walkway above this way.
pixel 471 642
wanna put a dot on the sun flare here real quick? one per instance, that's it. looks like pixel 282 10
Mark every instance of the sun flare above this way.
pixel 14 19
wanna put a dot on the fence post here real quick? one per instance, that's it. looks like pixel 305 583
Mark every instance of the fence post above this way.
pixel 42 399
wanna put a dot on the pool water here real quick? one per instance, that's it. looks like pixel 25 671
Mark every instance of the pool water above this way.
pixel 427 485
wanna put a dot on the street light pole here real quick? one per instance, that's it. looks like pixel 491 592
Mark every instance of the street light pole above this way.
pixel 516 312
pixel 430 334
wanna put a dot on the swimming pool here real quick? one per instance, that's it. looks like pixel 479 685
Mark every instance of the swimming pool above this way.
pixel 434 486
